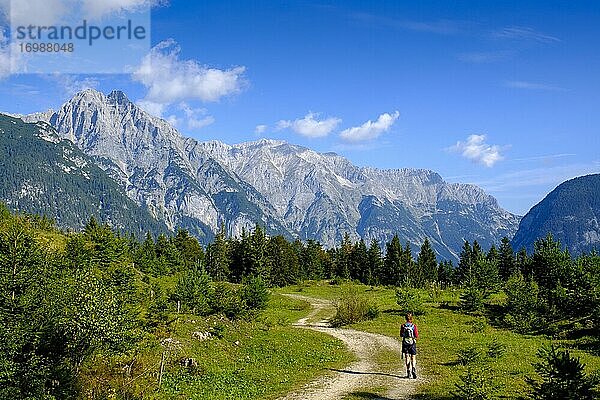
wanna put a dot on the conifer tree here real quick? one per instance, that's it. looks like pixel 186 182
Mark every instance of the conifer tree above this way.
pixel 392 262
pixel 427 262
pixel 375 263
pixel 506 260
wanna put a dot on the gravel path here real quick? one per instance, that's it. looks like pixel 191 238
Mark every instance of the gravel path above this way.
pixel 362 376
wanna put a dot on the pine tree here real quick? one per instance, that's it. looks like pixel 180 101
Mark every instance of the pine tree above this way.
pixel 283 259
pixel 409 275
pixel 217 258
pixel 342 259
pixel 375 263
pixel 189 249
pixel 360 262
pixel 392 262
pixel 427 263
pixel 506 263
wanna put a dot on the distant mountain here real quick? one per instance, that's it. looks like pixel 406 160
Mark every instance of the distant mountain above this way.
pixel 153 164
pixel 291 190
pixel 44 174
pixel 571 212
pixel 323 196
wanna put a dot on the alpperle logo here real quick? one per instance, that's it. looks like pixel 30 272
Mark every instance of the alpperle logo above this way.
pixel 77 36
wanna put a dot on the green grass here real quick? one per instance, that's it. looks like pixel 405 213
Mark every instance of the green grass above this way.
pixel 444 331
pixel 259 359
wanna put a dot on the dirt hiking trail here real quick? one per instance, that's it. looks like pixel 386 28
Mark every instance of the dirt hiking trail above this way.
pixel 365 377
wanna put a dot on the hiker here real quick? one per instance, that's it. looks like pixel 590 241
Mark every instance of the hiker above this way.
pixel 409 335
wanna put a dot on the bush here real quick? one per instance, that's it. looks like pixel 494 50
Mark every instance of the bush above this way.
pixel 496 349
pixel 522 304
pixel 194 291
pixel 562 377
pixel 475 384
pixel 471 300
pixel 410 300
pixel 255 294
pixel 468 356
pixel 352 307
pixel 227 301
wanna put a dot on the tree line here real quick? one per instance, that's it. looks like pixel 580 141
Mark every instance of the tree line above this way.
pixel 65 296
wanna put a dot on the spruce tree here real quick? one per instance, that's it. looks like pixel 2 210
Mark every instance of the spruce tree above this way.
pixel 392 262
pixel 427 262
pixel 375 263
pixel 506 260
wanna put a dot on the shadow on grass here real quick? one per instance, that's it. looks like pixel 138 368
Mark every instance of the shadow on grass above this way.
pixel 448 306
pixel 347 371
pixel 393 311
pixel 430 397
pixel 367 395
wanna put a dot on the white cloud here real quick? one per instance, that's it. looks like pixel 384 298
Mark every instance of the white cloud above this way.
pixel 170 80
pixel 525 33
pixel 260 129
pixel 101 8
pixel 370 130
pixel 192 118
pixel 477 150
pixel 196 118
pixel 532 86
pixel 310 126
pixel 72 84
pixel 39 12
pixel 49 12
pixel 5 59
pixel 152 108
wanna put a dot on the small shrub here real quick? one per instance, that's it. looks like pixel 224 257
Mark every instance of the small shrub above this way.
pixel 471 300
pixel 496 349
pixel 255 294
pixel 468 356
pixel 475 384
pixel 227 301
pixel 478 325
pixel 352 307
pixel 410 300
pixel 218 330
pixel 562 377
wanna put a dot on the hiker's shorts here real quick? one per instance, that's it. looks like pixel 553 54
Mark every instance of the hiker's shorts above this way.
pixel 409 349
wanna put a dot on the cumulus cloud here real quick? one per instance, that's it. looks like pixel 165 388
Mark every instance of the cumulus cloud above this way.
pixel 101 8
pixel 5 59
pixel 152 108
pixel 186 117
pixel 477 150
pixel 72 84
pixel 370 130
pixel 170 80
pixel 260 129
pixel 196 118
pixel 310 126
pixel 49 12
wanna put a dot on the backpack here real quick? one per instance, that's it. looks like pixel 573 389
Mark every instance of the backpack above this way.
pixel 408 333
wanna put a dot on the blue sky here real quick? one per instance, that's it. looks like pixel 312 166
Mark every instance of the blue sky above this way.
pixel 502 94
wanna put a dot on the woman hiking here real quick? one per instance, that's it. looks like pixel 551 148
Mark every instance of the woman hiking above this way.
pixel 409 334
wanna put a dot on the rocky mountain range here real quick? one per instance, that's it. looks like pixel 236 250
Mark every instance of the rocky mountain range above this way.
pixel 47 175
pixel 288 189
pixel 571 213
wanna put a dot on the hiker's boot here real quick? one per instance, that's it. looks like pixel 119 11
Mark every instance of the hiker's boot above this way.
pixel 407 373
pixel 414 373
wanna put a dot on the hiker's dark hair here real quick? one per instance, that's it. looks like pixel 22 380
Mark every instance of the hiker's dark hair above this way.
pixel 409 317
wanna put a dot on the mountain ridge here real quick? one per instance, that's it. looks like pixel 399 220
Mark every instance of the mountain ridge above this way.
pixel 290 189
pixel 570 212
